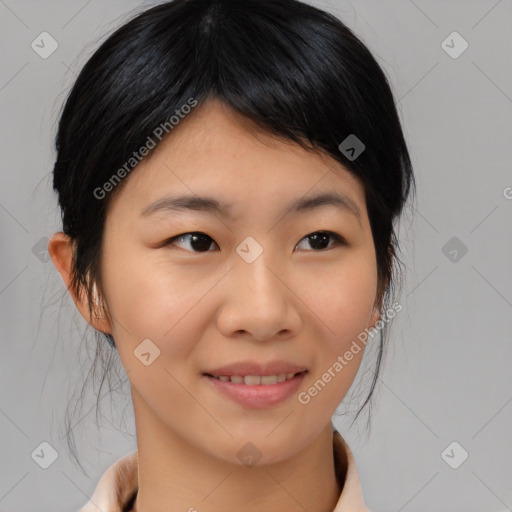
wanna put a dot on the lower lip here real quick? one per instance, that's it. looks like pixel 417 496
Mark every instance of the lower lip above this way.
pixel 259 396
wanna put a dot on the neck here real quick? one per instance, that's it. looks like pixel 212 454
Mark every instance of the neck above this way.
pixel 174 476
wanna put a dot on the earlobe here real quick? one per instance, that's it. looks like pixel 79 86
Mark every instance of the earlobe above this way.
pixel 60 249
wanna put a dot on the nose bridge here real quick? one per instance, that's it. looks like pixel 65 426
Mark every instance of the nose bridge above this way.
pixel 255 271
pixel 258 302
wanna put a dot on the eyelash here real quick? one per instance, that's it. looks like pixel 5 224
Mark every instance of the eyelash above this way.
pixel 339 240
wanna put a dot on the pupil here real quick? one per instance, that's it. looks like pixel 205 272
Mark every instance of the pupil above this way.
pixel 319 240
pixel 200 242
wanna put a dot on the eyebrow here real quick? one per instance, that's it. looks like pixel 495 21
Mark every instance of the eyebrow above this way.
pixel 211 205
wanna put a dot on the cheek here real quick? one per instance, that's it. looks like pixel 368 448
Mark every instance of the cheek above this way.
pixel 153 302
pixel 342 304
pixel 342 300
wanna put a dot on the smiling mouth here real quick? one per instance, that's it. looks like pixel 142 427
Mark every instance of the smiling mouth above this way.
pixel 256 380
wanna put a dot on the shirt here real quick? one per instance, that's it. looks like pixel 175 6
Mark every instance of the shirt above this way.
pixel 117 487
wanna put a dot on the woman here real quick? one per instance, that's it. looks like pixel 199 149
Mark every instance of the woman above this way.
pixel 229 174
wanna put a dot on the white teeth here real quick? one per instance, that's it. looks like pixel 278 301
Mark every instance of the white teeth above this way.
pixel 255 380
pixel 269 379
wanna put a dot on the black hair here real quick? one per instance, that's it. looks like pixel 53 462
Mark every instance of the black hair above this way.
pixel 294 70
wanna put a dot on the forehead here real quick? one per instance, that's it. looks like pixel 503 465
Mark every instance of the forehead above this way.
pixel 216 150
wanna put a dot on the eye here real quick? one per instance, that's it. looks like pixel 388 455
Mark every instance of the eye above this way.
pixel 319 240
pixel 198 241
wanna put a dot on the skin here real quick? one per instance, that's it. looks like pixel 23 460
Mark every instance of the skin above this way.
pixel 207 309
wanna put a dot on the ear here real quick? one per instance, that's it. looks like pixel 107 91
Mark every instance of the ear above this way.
pixel 60 249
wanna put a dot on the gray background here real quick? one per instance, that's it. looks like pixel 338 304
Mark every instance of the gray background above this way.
pixel 447 375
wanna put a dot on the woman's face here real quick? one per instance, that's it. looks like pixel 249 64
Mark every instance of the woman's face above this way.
pixel 252 289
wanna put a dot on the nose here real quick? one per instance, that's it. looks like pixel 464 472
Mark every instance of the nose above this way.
pixel 259 303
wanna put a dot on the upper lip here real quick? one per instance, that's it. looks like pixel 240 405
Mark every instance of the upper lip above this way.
pixel 244 368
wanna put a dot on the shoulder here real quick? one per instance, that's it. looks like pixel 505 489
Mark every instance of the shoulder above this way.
pixel 115 487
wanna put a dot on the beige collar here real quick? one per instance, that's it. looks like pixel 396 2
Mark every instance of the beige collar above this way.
pixel 118 484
